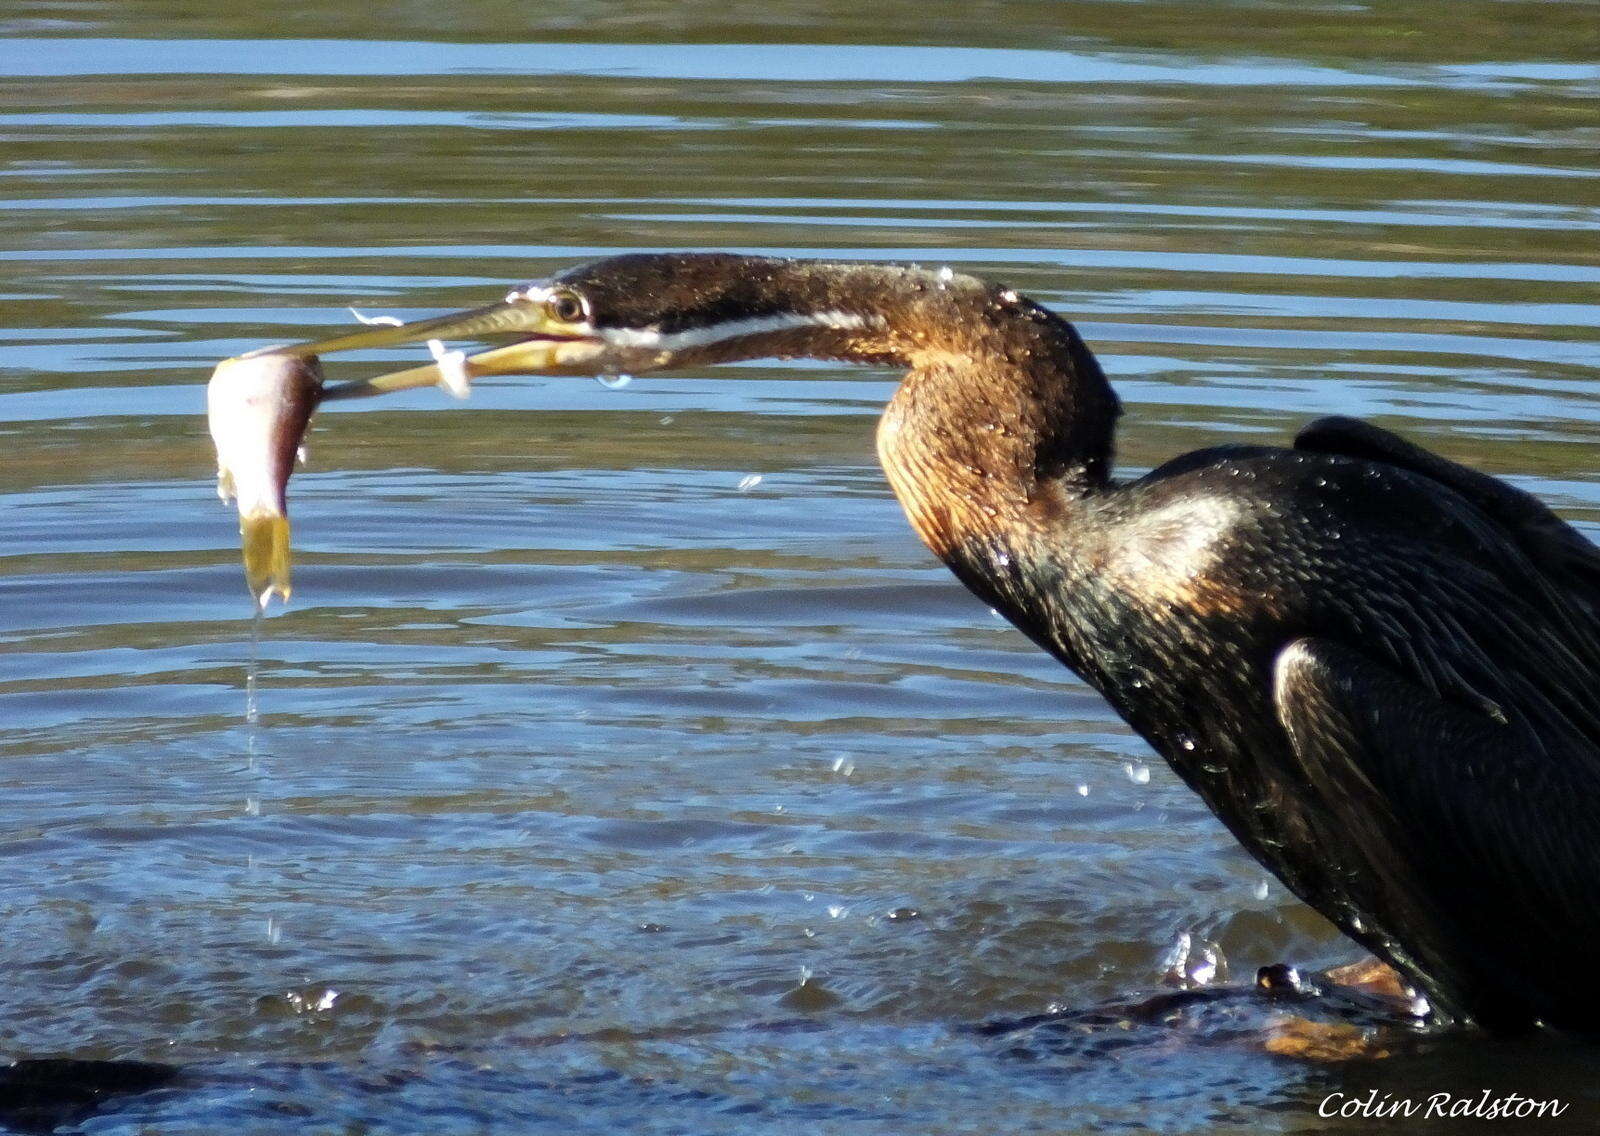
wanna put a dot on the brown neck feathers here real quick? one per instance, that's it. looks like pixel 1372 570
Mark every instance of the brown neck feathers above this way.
pixel 1003 417
pixel 1003 413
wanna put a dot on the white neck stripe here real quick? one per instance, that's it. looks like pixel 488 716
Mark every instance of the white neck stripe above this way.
pixel 728 329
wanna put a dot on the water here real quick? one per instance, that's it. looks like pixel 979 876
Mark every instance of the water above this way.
pixel 573 757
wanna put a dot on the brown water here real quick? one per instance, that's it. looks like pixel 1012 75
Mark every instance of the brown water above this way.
pixel 586 781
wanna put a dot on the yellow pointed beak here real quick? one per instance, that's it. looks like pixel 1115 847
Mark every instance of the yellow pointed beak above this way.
pixel 544 346
pixel 259 405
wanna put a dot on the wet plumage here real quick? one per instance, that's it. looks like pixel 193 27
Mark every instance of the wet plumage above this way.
pixel 1380 669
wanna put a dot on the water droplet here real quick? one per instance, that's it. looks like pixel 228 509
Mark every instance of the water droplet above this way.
pixel 1279 978
pixel 1083 790
pixel 1138 772
pixel 452 366
pixel 810 996
pixel 252 708
pixel 1263 888
pixel 1004 560
pixel 1193 962
pixel 749 482
pixel 1186 742
pixel 946 274
pixel 613 382
pixel 843 766
pixel 377 321
pixel 836 910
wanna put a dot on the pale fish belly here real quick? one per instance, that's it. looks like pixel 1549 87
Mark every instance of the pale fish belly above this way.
pixel 258 410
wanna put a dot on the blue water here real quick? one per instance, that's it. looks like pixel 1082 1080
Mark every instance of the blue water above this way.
pixel 591 792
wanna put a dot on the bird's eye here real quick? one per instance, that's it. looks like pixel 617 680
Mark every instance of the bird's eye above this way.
pixel 566 306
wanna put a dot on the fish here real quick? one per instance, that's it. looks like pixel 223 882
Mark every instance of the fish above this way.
pixel 258 409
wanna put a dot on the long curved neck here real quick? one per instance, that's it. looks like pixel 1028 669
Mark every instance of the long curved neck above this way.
pixel 1004 415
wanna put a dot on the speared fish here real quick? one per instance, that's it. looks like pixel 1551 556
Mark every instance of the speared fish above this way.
pixel 258 409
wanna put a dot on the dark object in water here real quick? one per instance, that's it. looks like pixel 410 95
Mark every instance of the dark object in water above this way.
pixel 1314 1019
pixel 1380 669
pixel 44 1094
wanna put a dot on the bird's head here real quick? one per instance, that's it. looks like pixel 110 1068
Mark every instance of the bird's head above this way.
pixel 628 314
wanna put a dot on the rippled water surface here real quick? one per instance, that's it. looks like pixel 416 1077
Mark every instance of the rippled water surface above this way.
pixel 597 787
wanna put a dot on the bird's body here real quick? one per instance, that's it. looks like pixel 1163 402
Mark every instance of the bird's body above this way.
pixel 1379 669
pixel 1387 708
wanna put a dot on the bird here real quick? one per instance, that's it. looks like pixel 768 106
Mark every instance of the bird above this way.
pixel 1379 668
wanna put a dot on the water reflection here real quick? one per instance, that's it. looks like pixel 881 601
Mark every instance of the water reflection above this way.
pixel 549 780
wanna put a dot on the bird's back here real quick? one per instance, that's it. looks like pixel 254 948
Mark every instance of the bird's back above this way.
pixel 1385 684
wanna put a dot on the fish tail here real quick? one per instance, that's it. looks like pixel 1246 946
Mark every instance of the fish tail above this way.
pixel 266 554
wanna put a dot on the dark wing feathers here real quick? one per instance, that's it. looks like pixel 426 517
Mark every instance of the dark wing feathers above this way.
pixel 1557 547
pixel 1447 715
pixel 1460 830
pixel 1478 593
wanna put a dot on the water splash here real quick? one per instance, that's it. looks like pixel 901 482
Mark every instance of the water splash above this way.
pixel 749 482
pixel 316 1000
pixel 252 704
pixel 252 708
pixel 1194 962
